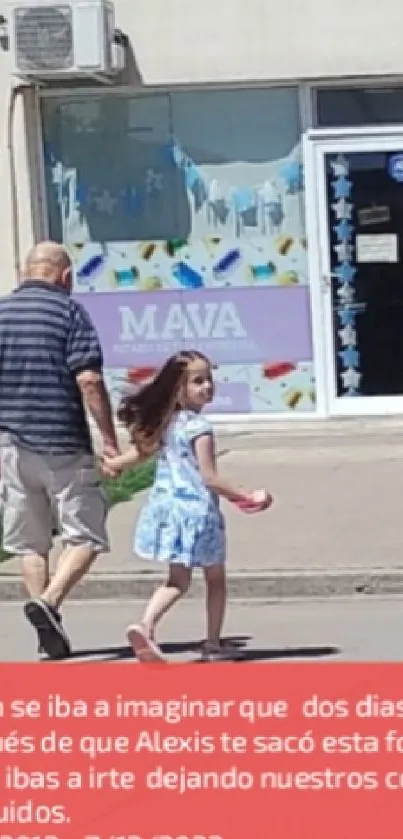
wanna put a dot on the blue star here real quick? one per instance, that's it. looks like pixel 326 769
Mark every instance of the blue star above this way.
pixel 347 317
pixel 345 273
pixel 350 357
pixel 291 173
pixel 343 230
pixel 342 188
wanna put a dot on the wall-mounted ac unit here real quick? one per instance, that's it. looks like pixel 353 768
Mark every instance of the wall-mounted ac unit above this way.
pixel 62 41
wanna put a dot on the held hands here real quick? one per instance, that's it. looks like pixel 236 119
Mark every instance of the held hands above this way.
pixel 108 465
pixel 109 468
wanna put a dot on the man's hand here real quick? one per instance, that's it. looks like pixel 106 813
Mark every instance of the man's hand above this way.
pixel 109 452
pixel 110 449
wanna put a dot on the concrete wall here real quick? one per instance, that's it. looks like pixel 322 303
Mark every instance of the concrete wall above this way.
pixel 16 233
pixel 184 41
pixel 177 41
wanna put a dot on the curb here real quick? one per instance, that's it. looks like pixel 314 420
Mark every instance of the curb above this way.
pixel 275 585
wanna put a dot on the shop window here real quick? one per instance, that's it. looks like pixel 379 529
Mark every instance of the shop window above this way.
pixel 359 106
pixel 194 199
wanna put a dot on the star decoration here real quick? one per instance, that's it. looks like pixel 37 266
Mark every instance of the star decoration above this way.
pixel 344 251
pixel 351 379
pixel 348 335
pixel 340 166
pixel 154 181
pixel 350 357
pixel 104 202
pixel 342 188
pixel 342 209
pixel 343 230
pixel 345 273
pixel 345 293
pixel 347 317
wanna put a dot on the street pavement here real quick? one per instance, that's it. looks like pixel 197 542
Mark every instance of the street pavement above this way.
pixel 355 629
pixel 336 526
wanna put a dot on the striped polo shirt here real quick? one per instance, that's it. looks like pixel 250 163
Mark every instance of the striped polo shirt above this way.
pixel 46 339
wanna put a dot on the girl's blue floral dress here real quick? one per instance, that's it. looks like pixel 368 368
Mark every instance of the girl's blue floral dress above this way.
pixel 181 521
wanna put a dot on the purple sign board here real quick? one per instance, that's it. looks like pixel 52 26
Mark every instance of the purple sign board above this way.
pixel 231 397
pixel 229 325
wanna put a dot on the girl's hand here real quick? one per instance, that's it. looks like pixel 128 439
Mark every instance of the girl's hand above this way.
pixel 109 467
pixel 254 501
pixel 261 496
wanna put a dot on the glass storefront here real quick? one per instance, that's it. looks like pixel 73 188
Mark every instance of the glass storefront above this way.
pixel 184 215
pixel 357 106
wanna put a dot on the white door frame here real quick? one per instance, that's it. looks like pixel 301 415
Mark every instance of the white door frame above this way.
pixel 316 144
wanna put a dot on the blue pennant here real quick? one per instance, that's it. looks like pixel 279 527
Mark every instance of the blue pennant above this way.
pixel 192 176
pixel 291 173
pixel 343 230
pixel 133 199
pixel 350 357
pixel 82 193
pixel 48 154
pixel 168 154
pixel 342 188
pixel 345 273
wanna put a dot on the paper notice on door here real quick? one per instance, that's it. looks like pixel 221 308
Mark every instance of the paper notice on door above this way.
pixel 377 247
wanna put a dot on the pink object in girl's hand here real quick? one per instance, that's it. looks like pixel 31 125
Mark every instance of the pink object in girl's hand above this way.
pixel 255 502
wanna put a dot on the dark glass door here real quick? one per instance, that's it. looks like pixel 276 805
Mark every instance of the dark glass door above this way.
pixel 365 234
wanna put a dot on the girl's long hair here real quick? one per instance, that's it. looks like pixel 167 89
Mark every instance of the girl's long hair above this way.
pixel 148 413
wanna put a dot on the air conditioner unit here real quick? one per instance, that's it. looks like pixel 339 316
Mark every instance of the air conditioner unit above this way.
pixel 61 41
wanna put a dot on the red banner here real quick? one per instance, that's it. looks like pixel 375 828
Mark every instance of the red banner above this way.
pixel 201 752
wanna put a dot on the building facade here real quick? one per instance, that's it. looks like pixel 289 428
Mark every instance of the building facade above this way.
pixel 240 191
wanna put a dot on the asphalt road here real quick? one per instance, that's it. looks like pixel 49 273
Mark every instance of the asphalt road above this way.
pixel 359 629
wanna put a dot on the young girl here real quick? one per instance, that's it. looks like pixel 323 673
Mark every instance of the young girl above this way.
pixel 181 523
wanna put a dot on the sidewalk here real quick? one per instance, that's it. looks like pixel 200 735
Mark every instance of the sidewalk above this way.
pixel 336 525
pixel 340 630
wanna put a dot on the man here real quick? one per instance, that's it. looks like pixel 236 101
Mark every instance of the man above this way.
pixel 50 370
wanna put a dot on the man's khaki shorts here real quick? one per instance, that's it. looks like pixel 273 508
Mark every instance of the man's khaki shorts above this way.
pixel 41 491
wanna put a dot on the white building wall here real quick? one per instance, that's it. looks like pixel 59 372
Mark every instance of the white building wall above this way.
pixel 184 41
pixel 215 41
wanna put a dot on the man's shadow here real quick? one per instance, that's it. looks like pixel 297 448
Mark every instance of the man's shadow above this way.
pixel 242 653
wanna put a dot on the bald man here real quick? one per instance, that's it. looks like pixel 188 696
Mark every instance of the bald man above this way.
pixel 50 371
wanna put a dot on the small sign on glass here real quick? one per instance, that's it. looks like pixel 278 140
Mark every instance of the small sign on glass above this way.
pixel 376 248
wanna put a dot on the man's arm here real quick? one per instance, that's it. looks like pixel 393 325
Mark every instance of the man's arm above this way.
pixel 96 400
pixel 85 361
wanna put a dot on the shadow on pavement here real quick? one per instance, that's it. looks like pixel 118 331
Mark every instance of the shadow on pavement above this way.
pixel 288 652
pixel 240 654
pixel 168 647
